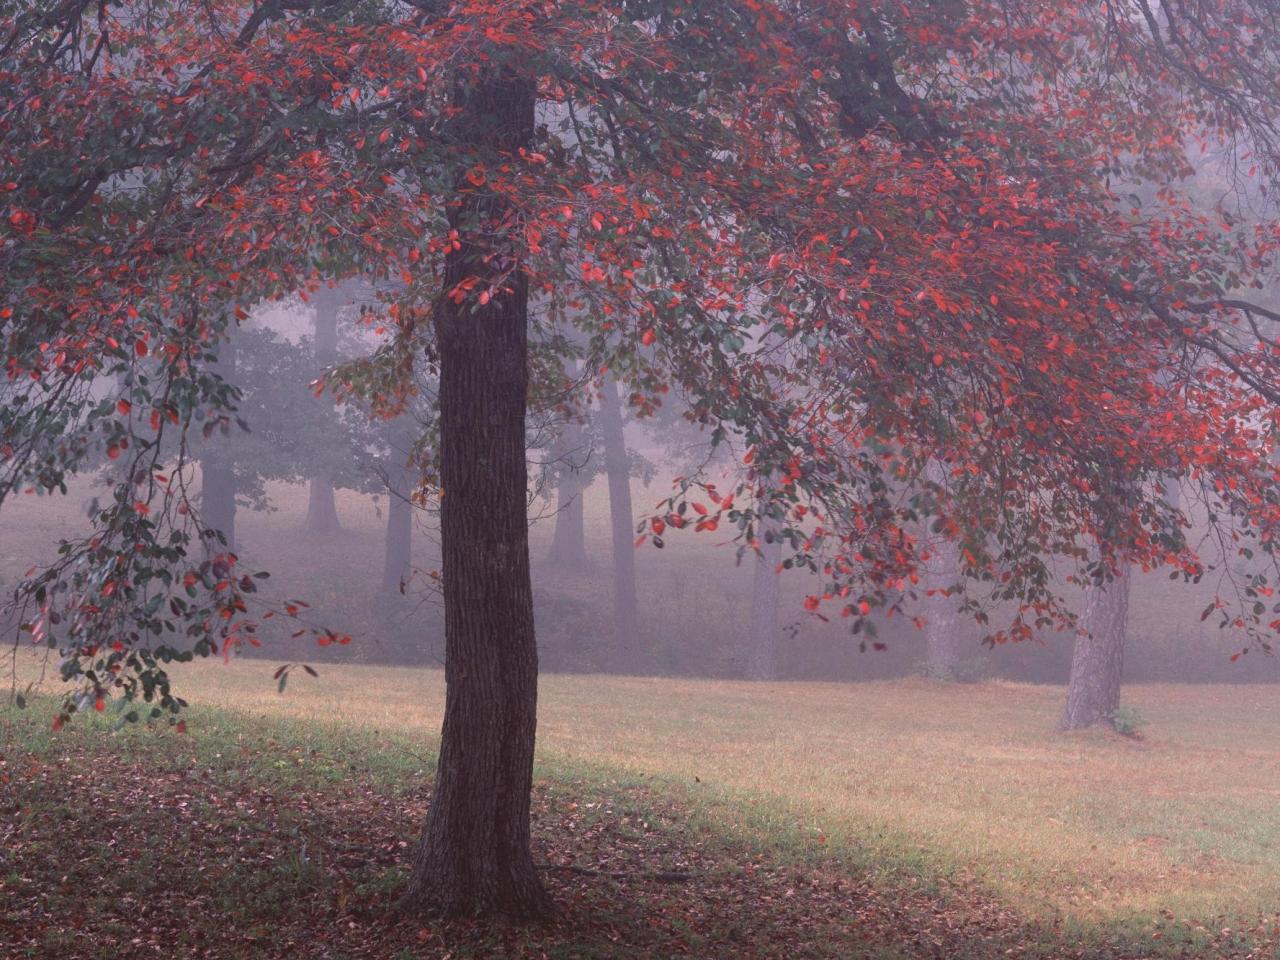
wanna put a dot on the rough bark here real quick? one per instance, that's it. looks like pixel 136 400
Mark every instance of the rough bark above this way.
pixel 568 540
pixel 322 509
pixel 943 641
pixel 474 855
pixel 762 652
pixel 622 522
pixel 398 555
pixel 1093 692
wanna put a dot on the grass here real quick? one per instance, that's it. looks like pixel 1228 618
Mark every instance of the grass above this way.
pixel 287 839
pixel 897 818
pixel 922 785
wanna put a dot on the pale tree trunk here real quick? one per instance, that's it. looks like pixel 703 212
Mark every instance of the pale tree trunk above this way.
pixel 322 509
pixel 218 474
pixel 762 654
pixel 218 500
pixel 398 555
pixel 1093 692
pixel 568 540
pixel 474 856
pixel 945 648
pixel 944 644
pixel 622 522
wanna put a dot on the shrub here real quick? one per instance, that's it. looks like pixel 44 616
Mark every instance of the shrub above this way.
pixel 1127 721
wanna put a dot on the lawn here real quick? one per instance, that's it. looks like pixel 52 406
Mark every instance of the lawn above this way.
pixel 965 796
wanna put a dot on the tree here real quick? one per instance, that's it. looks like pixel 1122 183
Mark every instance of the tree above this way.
pixel 1097 661
pixel 474 854
pixel 570 456
pixel 398 559
pixel 762 648
pixel 218 482
pixel 917 199
pixel 322 510
pixel 943 640
pixel 626 614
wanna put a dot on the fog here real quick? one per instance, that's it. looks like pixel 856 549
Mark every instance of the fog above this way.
pixel 324 502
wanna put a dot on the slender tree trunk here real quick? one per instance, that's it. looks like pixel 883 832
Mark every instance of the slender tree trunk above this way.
pixel 218 474
pixel 942 632
pixel 622 522
pixel 474 855
pixel 398 555
pixel 1093 693
pixel 218 500
pixel 762 655
pixel 322 509
pixel 568 542
pixel 944 645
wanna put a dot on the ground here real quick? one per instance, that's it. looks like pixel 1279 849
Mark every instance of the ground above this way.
pixel 673 818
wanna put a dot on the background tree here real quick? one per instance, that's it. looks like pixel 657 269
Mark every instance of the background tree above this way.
pixel 944 641
pixel 762 649
pixel 326 304
pixel 626 612
pixel 573 464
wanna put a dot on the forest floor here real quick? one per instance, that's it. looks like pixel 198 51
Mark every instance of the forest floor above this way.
pixel 673 818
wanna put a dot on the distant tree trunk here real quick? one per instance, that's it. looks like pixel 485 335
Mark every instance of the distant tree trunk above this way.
pixel 397 558
pixel 945 648
pixel 622 521
pixel 762 655
pixel 1093 692
pixel 218 500
pixel 944 644
pixel 568 541
pixel 322 510
pixel 218 473
pixel 474 856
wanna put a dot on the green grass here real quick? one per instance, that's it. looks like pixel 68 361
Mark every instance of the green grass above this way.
pixel 951 793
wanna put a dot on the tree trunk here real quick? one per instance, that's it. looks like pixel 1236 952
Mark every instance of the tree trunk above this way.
pixel 474 855
pixel 218 500
pixel 1093 693
pixel 622 522
pixel 944 645
pixel 398 556
pixel 218 474
pixel 762 655
pixel 322 510
pixel 568 541
pixel 944 649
